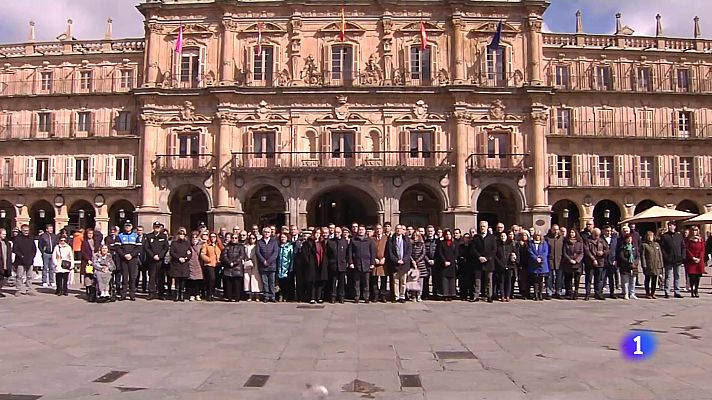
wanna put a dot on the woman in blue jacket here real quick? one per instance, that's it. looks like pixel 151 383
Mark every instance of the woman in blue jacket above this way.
pixel 538 264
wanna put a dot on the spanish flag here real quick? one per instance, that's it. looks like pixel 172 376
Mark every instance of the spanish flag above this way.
pixel 342 31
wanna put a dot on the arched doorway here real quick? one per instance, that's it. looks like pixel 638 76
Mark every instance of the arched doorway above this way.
pixel 419 206
pixel 82 215
pixel 644 227
pixel 7 216
pixel 120 212
pixel 342 206
pixel 606 212
pixel 189 207
pixel 265 207
pixel 41 215
pixel 566 213
pixel 688 206
pixel 497 204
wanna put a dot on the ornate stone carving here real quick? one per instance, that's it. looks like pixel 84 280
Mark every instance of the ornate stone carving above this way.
pixel 535 24
pixel 420 110
pixel 230 25
pixel 228 118
pixel 284 78
pixel 310 73
pixel 540 117
pixel 188 111
pixel 166 80
pixel 262 110
pixel 154 27
pixel 152 119
pixel 497 110
pixel 442 78
pixel 341 110
pixel 373 74
pixel 398 79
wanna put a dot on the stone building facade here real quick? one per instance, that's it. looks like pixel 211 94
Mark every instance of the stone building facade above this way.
pixel 268 115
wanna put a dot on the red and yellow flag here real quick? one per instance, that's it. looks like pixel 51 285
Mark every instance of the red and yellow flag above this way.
pixel 342 30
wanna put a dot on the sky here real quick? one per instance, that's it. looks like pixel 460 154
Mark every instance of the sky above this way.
pixel 90 17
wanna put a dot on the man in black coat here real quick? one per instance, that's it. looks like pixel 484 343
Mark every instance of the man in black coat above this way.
pixel 267 253
pixel 47 242
pixel 297 241
pixel 398 258
pixel 431 245
pixel 5 258
pixel 155 247
pixel 483 250
pixel 25 250
pixel 337 255
pixel 362 259
pixel 672 245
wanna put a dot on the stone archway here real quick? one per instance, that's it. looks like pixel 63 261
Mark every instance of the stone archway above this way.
pixel 498 203
pixel 7 216
pixel 82 215
pixel 645 226
pixel 606 212
pixel 688 206
pixel 566 213
pixel 189 207
pixel 122 211
pixel 420 206
pixel 266 206
pixel 41 214
pixel 342 205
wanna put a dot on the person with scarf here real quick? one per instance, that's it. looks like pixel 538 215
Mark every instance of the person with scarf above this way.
pixel 595 255
pixel 104 266
pixel 251 278
pixel 316 272
pixel 447 258
pixel 285 268
pixel 233 259
pixel 420 262
pixel 209 257
pixel 195 283
pixel 522 249
pixel 571 259
pixel 651 260
pixel 625 260
pixel 505 261
pixel 538 264
pixel 180 252
pixel 695 260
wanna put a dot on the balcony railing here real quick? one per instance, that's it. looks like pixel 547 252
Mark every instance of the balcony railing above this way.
pixel 628 179
pixel 358 160
pixel 38 87
pixel 198 164
pixel 102 180
pixel 630 84
pixel 497 163
pixel 626 42
pixel 136 45
pixel 632 130
pixel 65 130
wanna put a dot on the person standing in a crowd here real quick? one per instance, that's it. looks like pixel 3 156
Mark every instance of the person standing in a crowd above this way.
pixel 180 251
pixel 112 240
pixel 296 239
pixel 77 242
pixel 398 257
pixel 571 258
pixel 362 260
pixel 380 273
pixel 195 283
pixel 596 253
pixel 651 261
pixel 233 260
pixel 104 266
pixel 267 253
pixel 419 261
pixel 129 253
pixel 522 249
pixel 466 268
pixel 587 231
pixel 337 253
pixel 63 258
pixel 695 260
pixel 538 264
pixel 90 246
pixel 505 263
pixel 447 259
pixel 24 250
pixel 209 257
pixel 555 279
pixel 285 268
pixel 142 277
pixel 626 254
pixel 155 248
pixel 252 279
pixel 611 266
pixel 316 269
pixel 5 259
pixel 483 250
pixel 672 245
pixel 431 244
pixel 47 242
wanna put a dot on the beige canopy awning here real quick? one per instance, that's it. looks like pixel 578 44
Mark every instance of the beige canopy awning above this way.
pixel 659 214
pixel 700 219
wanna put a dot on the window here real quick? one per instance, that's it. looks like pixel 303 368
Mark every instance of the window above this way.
pixel 123 171
pixel 81 169
pixel 645 123
pixel 420 64
pixel 562 76
pixel 496 71
pixel 42 170
pixel 342 144
pixel 85 80
pixel 563 167
pixel 563 121
pixel 264 65
pixel 46 81
pixel 497 145
pixel 645 82
pixel 646 170
pixel 342 61
pixel 686 171
pixel 605 122
pixel 84 121
pixel 421 144
pixel 683 80
pixel 188 145
pixel 604 78
pixel 123 121
pixel 605 165
pixel 190 67
pixel 264 144
pixel 684 124
pixel 44 122
pixel 126 81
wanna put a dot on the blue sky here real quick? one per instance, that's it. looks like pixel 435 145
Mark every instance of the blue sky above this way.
pixel 599 17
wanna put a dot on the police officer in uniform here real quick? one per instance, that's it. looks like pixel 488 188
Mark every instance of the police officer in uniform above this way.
pixel 129 253
pixel 155 247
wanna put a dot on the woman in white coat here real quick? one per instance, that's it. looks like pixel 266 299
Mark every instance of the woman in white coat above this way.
pixel 252 279
pixel 63 259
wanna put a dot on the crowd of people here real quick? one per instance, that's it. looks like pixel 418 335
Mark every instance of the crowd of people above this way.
pixel 359 263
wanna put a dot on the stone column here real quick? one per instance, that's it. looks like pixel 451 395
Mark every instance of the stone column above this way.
pixel 102 218
pixel 152 52
pixel 462 213
pixel 227 71
pixel 535 49
pixel 457 51
pixel 22 216
pixel 540 209
pixel 223 214
pixel 61 218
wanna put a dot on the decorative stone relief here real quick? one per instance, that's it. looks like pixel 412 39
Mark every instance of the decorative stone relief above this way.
pixel 310 73
pixel 373 74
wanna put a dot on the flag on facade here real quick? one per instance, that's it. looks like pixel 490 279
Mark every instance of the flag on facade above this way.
pixel 259 38
pixel 494 44
pixel 423 36
pixel 179 42
pixel 342 30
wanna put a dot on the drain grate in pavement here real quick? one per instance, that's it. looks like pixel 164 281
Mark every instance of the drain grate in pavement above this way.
pixel 8 396
pixel 256 381
pixel 129 389
pixel 311 306
pixel 112 376
pixel 410 381
pixel 455 355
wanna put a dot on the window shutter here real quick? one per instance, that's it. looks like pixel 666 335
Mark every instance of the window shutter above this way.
pixel 110 179
pixel 698 172
pixel 203 64
pixel 619 165
pixel 29 171
pixel 66 164
pixel 204 140
pixel 635 180
pixel 172 143
pixel 355 71
pixel 91 175
pixel 277 70
pixel 434 62
pixel 249 63
pixel 662 174
pixel 675 170
pixel 406 63
pixel 578 173
pixel 509 73
pixel 132 170
pixel 553 178
pixel 52 172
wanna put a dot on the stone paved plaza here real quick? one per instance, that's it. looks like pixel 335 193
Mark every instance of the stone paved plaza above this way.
pixel 57 347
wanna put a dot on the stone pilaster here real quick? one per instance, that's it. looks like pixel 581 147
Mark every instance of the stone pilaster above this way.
pixel 534 24
pixel 227 67
pixel 540 211
pixel 458 70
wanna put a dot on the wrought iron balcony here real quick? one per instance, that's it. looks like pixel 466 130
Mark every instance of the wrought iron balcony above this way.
pixel 54 180
pixel 498 164
pixel 38 87
pixel 669 84
pixel 194 164
pixel 632 130
pixel 66 130
pixel 627 179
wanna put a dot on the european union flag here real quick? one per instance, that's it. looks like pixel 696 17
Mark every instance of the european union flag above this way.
pixel 494 45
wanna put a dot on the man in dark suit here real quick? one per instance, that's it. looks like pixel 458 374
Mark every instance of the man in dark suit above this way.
pixel 398 255
pixel 610 262
pixel 24 249
pixel 155 248
pixel 483 250
pixel 5 258
pixel 362 261
pixel 267 253
pixel 337 256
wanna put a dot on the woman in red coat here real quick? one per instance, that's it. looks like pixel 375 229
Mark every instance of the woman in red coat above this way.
pixel 695 259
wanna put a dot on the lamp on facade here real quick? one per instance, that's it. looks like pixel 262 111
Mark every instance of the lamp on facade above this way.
pixel 58 201
pixel 496 197
pixel 333 205
pixel 263 198
pixel 565 214
pixel 3 214
pixel 82 214
pixel 420 198
pixel 188 198
pixel 122 214
pixel 606 213
pixel 42 214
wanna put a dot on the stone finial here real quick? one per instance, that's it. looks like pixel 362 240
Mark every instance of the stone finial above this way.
pixel 31 36
pixel 109 29
pixel 579 21
pixel 659 25
pixel 69 33
pixel 619 24
pixel 697 32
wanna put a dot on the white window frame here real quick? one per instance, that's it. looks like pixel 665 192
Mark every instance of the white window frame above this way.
pixel 563 120
pixel 562 76
pixel 85 80
pixel 81 170
pixel 46 81
pixel 684 124
pixel 421 143
pixel 265 144
pixel 122 171
pixel 562 172
pixel 44 122
pixel 339 138
pixel 42 172
pixel 605 170
pixel 685 168
pixel 646 170
pixel 126 77
pixel 84 121
pixel 604 77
